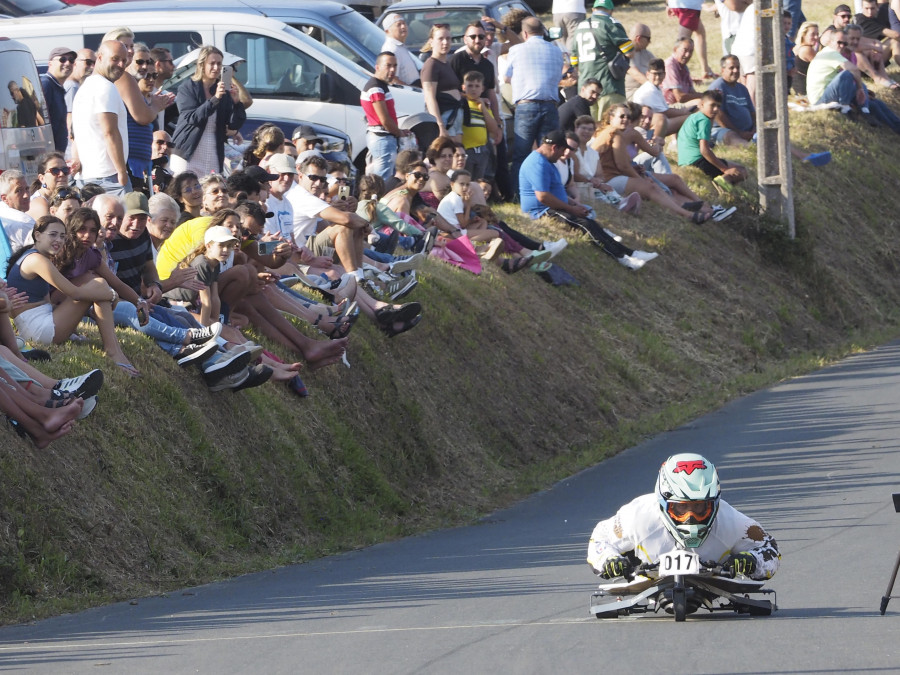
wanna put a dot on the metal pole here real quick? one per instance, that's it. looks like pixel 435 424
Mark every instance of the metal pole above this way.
pixel 776 180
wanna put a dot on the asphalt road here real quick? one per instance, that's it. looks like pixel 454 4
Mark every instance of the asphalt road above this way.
pixel 815 460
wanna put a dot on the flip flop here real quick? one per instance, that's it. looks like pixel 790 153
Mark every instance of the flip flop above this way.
pixel 129 369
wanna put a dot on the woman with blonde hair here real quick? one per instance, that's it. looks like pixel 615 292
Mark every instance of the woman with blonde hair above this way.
pixel 805 50
pixel 207 110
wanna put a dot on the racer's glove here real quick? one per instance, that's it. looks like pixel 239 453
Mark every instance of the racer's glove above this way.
pixel 741 564
pixel 616 567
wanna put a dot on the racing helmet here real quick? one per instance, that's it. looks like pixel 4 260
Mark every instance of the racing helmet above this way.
pixel 688 492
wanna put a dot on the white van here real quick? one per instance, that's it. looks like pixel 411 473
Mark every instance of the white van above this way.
pixel 289 74
pixel 25 132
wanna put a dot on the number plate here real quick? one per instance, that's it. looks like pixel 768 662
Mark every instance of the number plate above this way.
pixel 678 562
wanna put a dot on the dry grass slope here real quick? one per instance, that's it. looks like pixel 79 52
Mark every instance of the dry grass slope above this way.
pixel 507 385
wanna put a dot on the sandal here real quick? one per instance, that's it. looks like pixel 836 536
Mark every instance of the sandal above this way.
pixel 407 315
pixel 391 331
pixel 692 206
pixel 513 265
pixel 699 218
pixel 129 369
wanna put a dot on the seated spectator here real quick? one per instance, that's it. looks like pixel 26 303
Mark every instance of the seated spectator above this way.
pixel 695 145
pixel 159 159
pixel 736 122
pixel 386 222
pixel 31 270
pixel 640 59
pixel 207 115
pixel 832 78
pixel 869 54
pixel 613 144
pixel 53 172
pixel 455 208
pixel 407 201
pixel 64 201
pixel 678 87
pixel 588 180
pixel 665 120
pixel 440 158
pixel 267 140
pixel 580 105
pixel 164 215
pixel 542 193
pixel 805 51
pixel 460 160
pixel 186 191
pixel 404 159
pixel 15 201
pixel 875 22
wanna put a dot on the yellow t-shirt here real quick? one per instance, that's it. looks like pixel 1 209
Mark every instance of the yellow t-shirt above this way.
pixel 185 238
pixel 475 132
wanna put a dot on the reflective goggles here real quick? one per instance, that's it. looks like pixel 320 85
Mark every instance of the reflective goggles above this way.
pixel 681 512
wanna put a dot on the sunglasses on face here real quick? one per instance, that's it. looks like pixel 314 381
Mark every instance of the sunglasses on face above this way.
pixel 143 62
pixel 90 62
pixel 151 76
pixel 418 176
pixel 844 16
pixel 66 59
pixel 478 36
pixel 314 178
pixel 60 170
pixel 841 43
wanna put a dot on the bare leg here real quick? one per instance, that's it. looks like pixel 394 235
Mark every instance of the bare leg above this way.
pixel 647 189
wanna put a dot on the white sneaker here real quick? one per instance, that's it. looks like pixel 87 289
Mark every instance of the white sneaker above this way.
pixel 631 262
pixel 413 262
pixel 613 234
pixel 721 213
pixel 646 256
pixel 555 247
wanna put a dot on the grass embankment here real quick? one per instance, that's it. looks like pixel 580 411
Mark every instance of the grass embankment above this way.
pixel 507 385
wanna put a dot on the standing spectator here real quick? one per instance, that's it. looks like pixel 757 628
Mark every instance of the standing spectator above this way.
pixel 534 69
pixel 14 204
pixel 62 60
pixel 678 87
pixel 598 42
pixel 441 85
pixel 543 194
pixel 408 66
pixel 206 111
pixel 84 66
pixel 480 130
pixel 99 122
pixel 689 22
pixel 471 58
pixel 140 136
pixel 567 14
pixel 579 105
pixel 165 68
pixel 640 59
pixel 382 132
pixel 729 13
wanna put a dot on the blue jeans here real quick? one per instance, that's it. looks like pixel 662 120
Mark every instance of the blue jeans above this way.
pixel 109 185
pixel 169 338
pixel 533 120
pixel 841 89
pixel 382 154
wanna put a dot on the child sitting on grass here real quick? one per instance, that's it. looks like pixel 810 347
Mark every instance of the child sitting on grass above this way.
pixel 695 146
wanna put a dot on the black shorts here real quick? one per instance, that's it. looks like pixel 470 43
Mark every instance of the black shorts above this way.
pixel 709 169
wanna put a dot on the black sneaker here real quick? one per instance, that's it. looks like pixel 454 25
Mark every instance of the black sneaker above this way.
pixel 36 355
pixel 229 381
pixel 201 335
pixel 387 242
pixel 258 375
pixel 193 351
pixel 228 364
pixel 82 386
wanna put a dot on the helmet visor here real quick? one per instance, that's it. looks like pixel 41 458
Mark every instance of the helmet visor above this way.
pixel 697 512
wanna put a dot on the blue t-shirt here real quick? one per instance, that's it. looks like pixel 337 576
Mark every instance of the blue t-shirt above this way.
pixel 736 104
pixel 55 96
pixel 537 173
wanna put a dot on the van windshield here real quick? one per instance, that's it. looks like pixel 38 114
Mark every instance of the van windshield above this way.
pixel 21 97
pixel 26 7
pixel 355 24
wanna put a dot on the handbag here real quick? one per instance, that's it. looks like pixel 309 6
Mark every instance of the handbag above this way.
pixel 618 66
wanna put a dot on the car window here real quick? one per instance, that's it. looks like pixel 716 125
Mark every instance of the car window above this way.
pixel 275 68
pixel 22 99
pixel 177 42
pixel 420 22
pixel 332 42
pixel 506 8
pixel 355 24
pixel 26 7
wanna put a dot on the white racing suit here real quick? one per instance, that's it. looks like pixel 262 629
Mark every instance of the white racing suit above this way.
pixel 637 530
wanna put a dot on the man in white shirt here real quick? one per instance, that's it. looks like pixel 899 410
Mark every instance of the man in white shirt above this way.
pixel 282 220
pixel 99 122
pixel 408 66
pixel 345 233
pixel 567 14
pixel 15 200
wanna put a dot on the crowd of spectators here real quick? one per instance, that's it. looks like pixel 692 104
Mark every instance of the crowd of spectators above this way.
pixel 136 220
